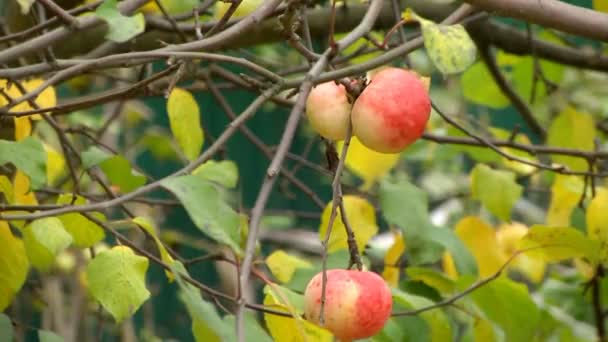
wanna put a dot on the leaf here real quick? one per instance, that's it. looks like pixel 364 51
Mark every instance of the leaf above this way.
pixel 283 265
pixel 94 156
pixel 600 5
pixel 515 165
pixel 597 221
pixel 480 239
pixel 6 188
pixel 28 156
pixel 572 129
pixel 489 95
pixel 56 165
pixel 437 321
pixel 119 172
pixel 559 243
pixel 14 265
pixel 184 119
pixel 288 328
pixel 391 260
pixel 508 304
pixel 46 99
pixel 361 44
pixel 44 239
pixel 25 5
pixel 120 28
pixel 6 326
pixel 21 190
pixel 483 331
pixel 49 336
pixel 449 47
pixel 224 172
pixel 496 189
pixel 461 257
pixel 207 209
pixel 254 331
pixel 204 315
pixel 245 8
pixel 431 278
pixel 117 280
pixel 148 225
pixel 361 216
pixel 171 6
pixel 23 128
pixel 566 192
pixel 367 163
pixel 508 237
pixel 84 232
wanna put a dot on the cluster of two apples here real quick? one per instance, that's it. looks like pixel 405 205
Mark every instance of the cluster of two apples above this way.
pixel 389 115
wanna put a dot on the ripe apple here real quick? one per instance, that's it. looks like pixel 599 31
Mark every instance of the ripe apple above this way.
pixel 392 111
pixel 328 110
pixel 357 303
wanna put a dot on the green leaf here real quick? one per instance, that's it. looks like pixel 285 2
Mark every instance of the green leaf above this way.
pixel 49 336
pixel 464 260
pixel 94 156
pixel 204 315
pixel 14 265
pixel 496 189
pixel 25 5
pixel 6 188
pixel 489 94
pixel 207 209
pixel 159 144
pixel 44 239
pixel 6 326
pixel 254 331
pixel 148 225
pixel 437 321
pixel 84 232
pixel 119 172
pixel 120 28
pixel 572 129
pixel 559 243
pixel 117 280
pixel 480 154
pixel 224 172
pixel 431 278
pixel 283 265
pixel 508 304
pixel 184 119
pixel 597 221
pixel 449 47
pixel 29 156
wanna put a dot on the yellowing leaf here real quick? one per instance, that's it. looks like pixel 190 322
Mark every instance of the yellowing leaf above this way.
pixel 23 127
pixel 449 47
pixel 566 191
pixel 508 237
pixel 483 331
pixel 496 189
pixel 431 278
pixel 85 233
pixel 56 166
pixel 448 265
pixel 6 188
pixel 224 172
pixel 21 188
pixel 513 164
pixel 289 328
pixel 120 27
pixel 572 129
pixel 117 280
pixel 46 99
pixel 245 8
pixel 597 221
pixel 361 216
pixel 367 163
pixel 391 259
pixel 13 265
pixel 600 5
pixel 283 265
pixel 184 119
pixel 481 241
pixel 147 225
pixel 559 243
pixel 44 239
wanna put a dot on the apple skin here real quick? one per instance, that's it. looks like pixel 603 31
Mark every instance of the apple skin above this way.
pixel 328 110
pixel 392 111
pixel 357 305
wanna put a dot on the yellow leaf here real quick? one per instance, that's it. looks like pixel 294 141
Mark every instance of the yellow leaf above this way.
pixel 23 128
pixel 147 225
pixel 13 265
pixel 508 236
pixel 288 329
pixel 184 119
pixel 55 165
pixel 46 99
pixel 572 129
pixel 448 265
pixel 6 188
pixel 566 192
pixel 391 259
pixel 361 216
pixel 600 5
pixel 84 232
pixel 480 239
pixel 245 8
pixel 483 331
pixel 21 188
pixel 597 221
pixel 283 265
pixel 366 163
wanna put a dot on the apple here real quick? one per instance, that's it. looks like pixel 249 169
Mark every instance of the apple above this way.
pixel 328 110
pixel 392 111
pixel 357 303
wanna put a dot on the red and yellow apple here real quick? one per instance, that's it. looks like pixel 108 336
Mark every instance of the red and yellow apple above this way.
pixel 357 303
pixel 328 110
pixel 392 111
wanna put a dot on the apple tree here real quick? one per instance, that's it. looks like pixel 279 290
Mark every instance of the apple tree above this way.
pixel 182 169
